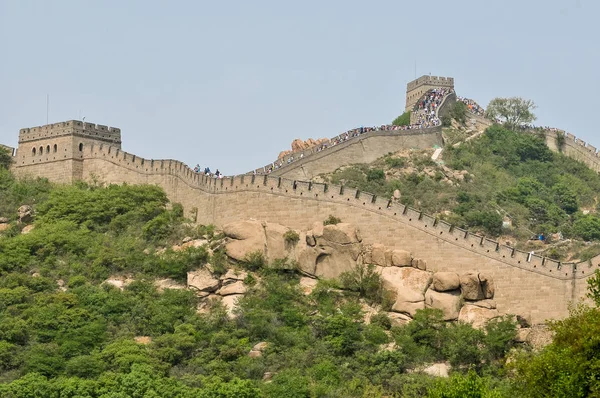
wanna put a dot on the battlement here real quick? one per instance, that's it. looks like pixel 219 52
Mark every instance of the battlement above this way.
pixel 436 81
pixel 71 127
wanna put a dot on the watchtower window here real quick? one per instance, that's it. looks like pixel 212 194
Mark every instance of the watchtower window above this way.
pixel 80 147
pixel 55 148
pixel 47 148
pixel 33 151
pixel 41 150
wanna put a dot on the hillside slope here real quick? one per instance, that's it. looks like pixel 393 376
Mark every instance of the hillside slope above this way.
pixel 503 183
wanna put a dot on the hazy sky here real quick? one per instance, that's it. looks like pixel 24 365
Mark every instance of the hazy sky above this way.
pixel 230 84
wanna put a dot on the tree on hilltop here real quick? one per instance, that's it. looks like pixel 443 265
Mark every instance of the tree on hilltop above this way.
pixel 513 111
pixel 5 158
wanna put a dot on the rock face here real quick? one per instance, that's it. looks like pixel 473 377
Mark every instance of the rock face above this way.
pixel 447 301
pixel 25 213
pixel 444 281
pixel 233 288
pixel 476 286
pixel 324 251
pixel 202 280
pixel 328 251
pixel 476 316
pixel 470 286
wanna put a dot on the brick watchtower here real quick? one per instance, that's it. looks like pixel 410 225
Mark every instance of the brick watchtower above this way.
pixel 418 87
pixel 55 150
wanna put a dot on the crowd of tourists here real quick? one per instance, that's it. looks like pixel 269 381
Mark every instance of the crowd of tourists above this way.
pixel 426 117
pixel 206 171
pixel 472 106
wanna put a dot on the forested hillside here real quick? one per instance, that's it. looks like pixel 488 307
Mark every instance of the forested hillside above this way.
pixel 504 176
pixel 64 332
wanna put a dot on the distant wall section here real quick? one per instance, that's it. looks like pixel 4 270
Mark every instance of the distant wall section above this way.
pixel 362 149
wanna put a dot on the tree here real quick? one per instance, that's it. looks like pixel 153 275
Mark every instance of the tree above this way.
pixel 513 111
pixel 5 158
pixel 402 120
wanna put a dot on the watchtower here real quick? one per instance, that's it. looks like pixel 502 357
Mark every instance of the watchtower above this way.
pixel 56 150
pixel 416 88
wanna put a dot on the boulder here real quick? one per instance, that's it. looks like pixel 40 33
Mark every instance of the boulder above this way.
pixel 489 304
pixel 378 254
pixel 246 237
pixel 396 194
pixel 234 275
pixel 194 243
pixel 308 284
pixel 487 286
pixel 310 239
pixel 342 233
pixel 275 242
pixel 476 316
pixel 522 335
pixel 4 220
pixel 448 302
pixel 398 319
pixel 437 370
pixel 401 258
pixel 202 280
pixel 27 229
pixel 397 278
pixel 231 303
pixel 4 227
pixel 317 229
pixel 408 302
pixel 167 283
pixel 144 340
pixel 444 281
pixel 470 286
pixel 25 213
pixel 539 337
pixel 118 282
pixel 233 288
pixel 331 265
pixel 419 263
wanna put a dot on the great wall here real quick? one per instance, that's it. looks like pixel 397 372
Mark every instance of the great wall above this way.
pixel 527 284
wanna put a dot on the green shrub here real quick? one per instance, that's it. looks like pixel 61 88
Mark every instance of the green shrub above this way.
pixel 332 220
pixel 397 163
pixel 254 261
pixel 402 120
pixel 290 236
pixel 375 175
pixel 365 280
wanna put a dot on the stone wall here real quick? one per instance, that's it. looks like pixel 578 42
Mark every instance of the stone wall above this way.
pixel 364 149
pixel 526 284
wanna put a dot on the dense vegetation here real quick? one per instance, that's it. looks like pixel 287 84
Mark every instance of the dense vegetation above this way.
pixel 64 333
pixel 510 174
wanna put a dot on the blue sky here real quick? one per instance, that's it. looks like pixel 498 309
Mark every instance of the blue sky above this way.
pixel 230 84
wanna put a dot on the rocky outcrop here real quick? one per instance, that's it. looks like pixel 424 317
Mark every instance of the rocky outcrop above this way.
pixel 448 301
pixel 477 316
pixel 202 280
pixel 330 250
pixel 324 251
pixel 476 286
pixel 445 281
pixel 25 213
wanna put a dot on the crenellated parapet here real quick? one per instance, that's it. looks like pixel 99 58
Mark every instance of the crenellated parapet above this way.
pixel 71 127
pixel 348 197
